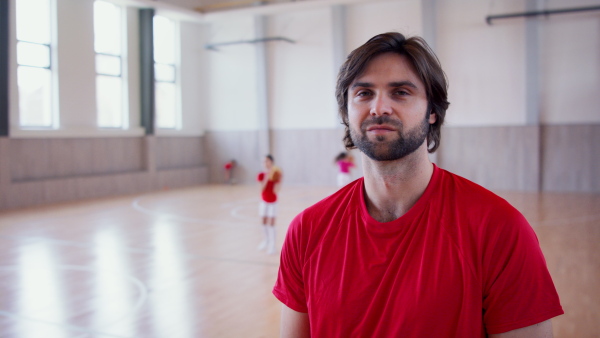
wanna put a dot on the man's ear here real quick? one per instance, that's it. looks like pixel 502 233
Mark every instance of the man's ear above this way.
pixel 432 117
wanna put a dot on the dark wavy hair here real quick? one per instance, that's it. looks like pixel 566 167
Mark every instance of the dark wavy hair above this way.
pixel 425 63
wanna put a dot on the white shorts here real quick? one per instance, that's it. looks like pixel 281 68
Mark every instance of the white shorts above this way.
pixel 343 179
pixel 267 209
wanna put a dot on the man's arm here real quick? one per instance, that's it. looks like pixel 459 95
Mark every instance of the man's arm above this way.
pixel 294 324
pixel 539 330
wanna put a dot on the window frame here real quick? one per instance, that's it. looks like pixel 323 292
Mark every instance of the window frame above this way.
pixel 175 82
pixel 122 57
pixel 53 95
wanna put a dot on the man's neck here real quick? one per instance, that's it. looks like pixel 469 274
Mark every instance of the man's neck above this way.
pixel 393 187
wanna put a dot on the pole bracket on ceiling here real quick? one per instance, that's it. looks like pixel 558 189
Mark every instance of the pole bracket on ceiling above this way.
pixel 213 46
pixel 489 18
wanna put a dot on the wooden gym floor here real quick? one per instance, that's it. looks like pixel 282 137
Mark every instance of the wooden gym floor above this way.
pixel 183 263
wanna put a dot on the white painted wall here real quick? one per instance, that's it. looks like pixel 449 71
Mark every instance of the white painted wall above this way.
pixel 485 64
pixel 570 46
pixel 365 20
pixel 132 69
pixel 76 64
pixel 233 79
pixel 301 76
pixel 193 78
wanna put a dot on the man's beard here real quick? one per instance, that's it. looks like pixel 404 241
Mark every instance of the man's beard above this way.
pixel 382 150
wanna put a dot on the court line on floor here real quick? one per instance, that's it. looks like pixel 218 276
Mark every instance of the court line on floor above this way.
pixel 143 296
pixel 66 326
pixel 142 289
pixel 202 221
pixel 233 212
pixel 139 250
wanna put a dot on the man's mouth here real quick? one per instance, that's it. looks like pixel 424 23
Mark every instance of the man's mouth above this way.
pixel 380 128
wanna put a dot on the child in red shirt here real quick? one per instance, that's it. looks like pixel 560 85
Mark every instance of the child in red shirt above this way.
pixel 270 184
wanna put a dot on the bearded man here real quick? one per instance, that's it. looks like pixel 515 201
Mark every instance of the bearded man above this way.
pixel 410 249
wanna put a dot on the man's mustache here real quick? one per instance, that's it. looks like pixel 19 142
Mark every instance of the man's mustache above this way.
pixel 383 119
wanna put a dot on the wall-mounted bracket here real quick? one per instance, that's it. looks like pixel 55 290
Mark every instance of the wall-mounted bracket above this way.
pixel 213 46
pixel 489 18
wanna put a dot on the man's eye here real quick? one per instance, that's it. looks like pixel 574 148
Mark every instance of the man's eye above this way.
pixel 401 92
pixel 363 93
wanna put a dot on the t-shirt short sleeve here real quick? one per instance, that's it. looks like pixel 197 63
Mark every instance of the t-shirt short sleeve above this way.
pixel 289 287
pixel 517 288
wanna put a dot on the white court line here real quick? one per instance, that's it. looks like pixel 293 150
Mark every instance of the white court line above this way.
pixel 66 243
pixel 66 326
pixel 235 206
pixel 143 296
pixel 235 213
pixel 137 206
pixel 139 250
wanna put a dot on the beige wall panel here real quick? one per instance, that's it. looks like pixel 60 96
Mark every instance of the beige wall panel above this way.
pixel 132 183
pixel 33 159
pixel 4 171
pixel 242 145
pixel 29 159
pixel 64 158
pixel 123 154
pixel 40 171
pixel 4 162
pixel 306 156
pixel 179 152
pixel 571 158
pixel 24 194
pixel 500 158
pixel 181 178
pixel 59 190
pixel 96 186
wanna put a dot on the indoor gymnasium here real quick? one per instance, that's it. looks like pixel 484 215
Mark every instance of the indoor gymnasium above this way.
pixel 153 154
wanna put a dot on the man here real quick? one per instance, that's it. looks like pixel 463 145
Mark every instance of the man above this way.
pixel 410 250
pixel 270 183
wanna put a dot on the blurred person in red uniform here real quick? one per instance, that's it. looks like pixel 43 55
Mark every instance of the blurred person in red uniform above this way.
pixel 270 183
pixel 345 162
pixel 229 166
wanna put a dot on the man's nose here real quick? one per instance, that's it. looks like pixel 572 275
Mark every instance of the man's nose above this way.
pixel 381 106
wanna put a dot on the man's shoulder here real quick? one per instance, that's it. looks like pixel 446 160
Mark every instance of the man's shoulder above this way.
pixel 470 197
pixel 454 184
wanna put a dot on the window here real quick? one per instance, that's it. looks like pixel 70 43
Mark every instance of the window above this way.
pixel 34 70
pixel 108 42
pixel 165 73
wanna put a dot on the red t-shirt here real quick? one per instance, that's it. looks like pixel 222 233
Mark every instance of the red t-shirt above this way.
pixel 345 166
pixel 268 193
pixel 462 262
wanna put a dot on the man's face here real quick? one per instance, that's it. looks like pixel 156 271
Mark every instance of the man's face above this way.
pixel 387 109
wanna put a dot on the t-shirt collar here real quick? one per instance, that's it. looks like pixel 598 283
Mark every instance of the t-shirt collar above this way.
pixel 411 214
